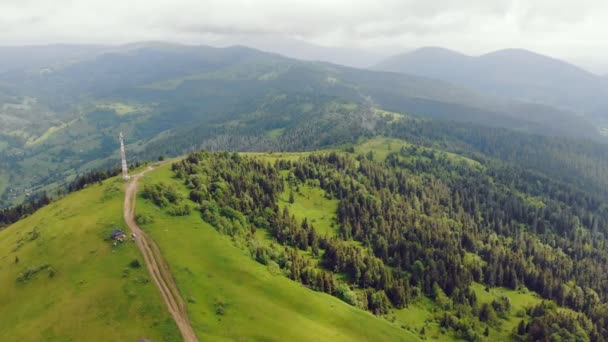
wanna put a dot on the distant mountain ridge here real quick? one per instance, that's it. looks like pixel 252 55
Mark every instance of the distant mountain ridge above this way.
pixel 62 116
pixel 511 73
pixel 299 49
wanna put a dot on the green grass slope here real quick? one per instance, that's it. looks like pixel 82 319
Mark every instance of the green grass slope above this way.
pixel 85 290
pixel 232 297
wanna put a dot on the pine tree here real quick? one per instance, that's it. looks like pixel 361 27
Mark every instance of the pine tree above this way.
pixel 521 328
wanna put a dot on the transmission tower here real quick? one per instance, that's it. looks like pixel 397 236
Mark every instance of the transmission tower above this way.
pixel 123 158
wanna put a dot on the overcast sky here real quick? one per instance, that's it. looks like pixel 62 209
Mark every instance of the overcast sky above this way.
pixel 569 29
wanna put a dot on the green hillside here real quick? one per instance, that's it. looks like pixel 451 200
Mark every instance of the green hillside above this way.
pixel 229 294
pixel 232 297
pixel 383 240
pixel 62 280
pixel 90 291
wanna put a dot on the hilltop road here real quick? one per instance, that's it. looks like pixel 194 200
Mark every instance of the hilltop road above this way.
pixel 157 266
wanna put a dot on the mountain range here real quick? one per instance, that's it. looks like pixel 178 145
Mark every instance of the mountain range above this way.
pixel 299 49
pixel 511 73
pixel 62 107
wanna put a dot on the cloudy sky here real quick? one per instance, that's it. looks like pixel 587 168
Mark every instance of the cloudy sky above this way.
pixel 573 30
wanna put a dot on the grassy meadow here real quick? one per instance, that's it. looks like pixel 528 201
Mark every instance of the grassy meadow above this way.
pixel 80 287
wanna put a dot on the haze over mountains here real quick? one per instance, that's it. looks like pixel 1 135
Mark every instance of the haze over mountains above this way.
pixel 62 106
pixel 299 49
pixel 512 73
pixel 19 58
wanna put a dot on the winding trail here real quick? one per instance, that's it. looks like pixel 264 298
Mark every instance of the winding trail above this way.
pixel 157 266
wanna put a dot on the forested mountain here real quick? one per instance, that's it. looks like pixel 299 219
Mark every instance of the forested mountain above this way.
pixel 511 73
pixel 169 99
pixel 456 232
pixel 415 222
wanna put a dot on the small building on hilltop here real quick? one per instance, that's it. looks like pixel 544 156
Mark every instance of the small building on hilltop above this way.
pixel 118 235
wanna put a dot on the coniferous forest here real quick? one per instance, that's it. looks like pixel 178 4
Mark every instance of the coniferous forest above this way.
pixel 452 206
pixel 422 222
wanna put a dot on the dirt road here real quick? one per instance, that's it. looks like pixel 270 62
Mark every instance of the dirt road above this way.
pixel 157 266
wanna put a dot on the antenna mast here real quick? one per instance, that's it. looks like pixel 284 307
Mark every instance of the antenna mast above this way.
pixel 123 157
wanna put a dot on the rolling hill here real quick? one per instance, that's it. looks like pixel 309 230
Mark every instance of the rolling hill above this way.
pixel 63 279
pixel 413 234
pixel 63 118
pixel 440 230
pixel 76 254
pixel 231 296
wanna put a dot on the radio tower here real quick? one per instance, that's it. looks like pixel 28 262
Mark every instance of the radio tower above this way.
pixel 123 157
